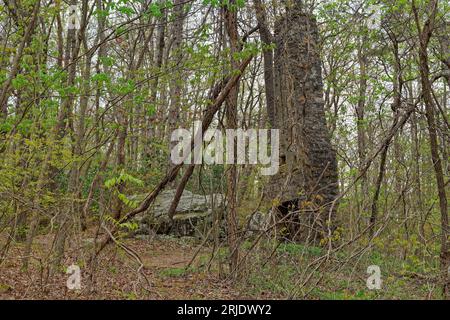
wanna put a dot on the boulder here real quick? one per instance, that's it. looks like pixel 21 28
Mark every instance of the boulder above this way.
pixel 193 215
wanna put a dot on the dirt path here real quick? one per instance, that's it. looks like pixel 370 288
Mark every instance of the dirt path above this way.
pixel 164 266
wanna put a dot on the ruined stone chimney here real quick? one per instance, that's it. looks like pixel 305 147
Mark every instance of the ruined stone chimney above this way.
pixel 307 181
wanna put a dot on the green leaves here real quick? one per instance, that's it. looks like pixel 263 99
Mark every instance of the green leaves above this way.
pixel 101 78
pixel 155 10
pixel 130 203
pixel 123 177
pixel 150 109
pixel 213 3
pixel 225 3
pixel 107 61
pixel 124 86
pixel 19 82
pixel 131 226
pixel 126 10
pixel 25 126
pixel 6 126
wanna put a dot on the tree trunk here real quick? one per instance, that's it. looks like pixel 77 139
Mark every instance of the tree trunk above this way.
pixel 230 17
pixel 425 33
pixel 176 80
pixel 267 40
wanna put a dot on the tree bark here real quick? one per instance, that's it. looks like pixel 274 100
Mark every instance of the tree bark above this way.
pixel 230 17
pixel 425 34
pixel 4 93
pixel 267 40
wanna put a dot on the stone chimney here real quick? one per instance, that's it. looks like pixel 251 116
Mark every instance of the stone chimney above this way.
pixel 308 178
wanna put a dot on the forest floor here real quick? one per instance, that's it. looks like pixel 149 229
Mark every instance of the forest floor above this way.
pixel 164 274
pixel 160 268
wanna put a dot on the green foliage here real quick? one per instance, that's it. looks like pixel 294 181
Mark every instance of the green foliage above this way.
pixel 155 10
pixel 129 226
pixel 121 179
pixel 299 249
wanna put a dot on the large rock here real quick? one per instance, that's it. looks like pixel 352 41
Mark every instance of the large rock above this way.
pixel 194 214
